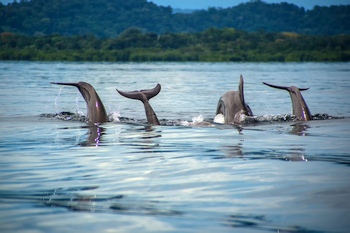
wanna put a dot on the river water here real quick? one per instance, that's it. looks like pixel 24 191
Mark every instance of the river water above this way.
pixel 270 176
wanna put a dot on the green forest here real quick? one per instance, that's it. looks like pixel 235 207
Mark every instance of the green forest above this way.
pixel 212 45
pixel 109 18
pixel 138 30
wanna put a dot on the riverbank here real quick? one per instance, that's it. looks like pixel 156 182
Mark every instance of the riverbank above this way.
pixel 212 45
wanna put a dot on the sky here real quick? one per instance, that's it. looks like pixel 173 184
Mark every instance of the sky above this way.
pixel 204 4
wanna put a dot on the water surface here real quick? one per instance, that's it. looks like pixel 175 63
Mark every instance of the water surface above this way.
pixel 272 176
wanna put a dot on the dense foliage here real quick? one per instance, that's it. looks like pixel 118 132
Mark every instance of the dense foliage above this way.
pixel 211 45
pixel 108 18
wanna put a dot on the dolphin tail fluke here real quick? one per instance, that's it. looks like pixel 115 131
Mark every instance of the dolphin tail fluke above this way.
pixel 303 89
pixel 300 108
pixel 246 107
pixel 285 88
pixel 140 95
pixel 275 86
pixel 144 96
pixel 152 92
pixel 241 89
pixel 67 84
pixel 136 95
pixel 96 112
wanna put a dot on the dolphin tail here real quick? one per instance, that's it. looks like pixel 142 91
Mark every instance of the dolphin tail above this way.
pixel 96 112
pixel 303 89
pixel 152 92
pixel 67 84
pixel 300 108
pixel 275 86
pixel 247 109
pixel 142 94
pixel 240 89
pixel 285 88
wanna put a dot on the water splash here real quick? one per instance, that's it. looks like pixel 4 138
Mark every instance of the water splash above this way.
pixel 219 118
pixel 57 98
pixel 196 120
pixel 114 117
pixel 77 109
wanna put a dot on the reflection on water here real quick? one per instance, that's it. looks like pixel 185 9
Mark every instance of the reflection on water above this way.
pixel 300 129
pixel 269 174
pixel 260 223
pixel 141 139
pixel 233 151
pixel 72 200
pixel 95 135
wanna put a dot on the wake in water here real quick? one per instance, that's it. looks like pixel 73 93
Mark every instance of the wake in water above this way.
pixel 196 121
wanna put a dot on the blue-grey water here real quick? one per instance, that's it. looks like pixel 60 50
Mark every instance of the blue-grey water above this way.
pixel 270 176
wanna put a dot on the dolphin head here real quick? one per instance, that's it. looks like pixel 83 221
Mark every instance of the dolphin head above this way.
pixel 96 111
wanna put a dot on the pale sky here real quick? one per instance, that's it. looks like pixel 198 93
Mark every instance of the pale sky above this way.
pixel 204 4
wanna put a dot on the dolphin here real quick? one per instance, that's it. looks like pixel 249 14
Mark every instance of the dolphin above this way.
pixel 231 103
pixel 145 96
pixel 300 109
pixel 96 112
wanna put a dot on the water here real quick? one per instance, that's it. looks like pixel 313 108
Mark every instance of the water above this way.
pixel 265 177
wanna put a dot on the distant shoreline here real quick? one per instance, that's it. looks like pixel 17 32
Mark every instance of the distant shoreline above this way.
pixel 212 45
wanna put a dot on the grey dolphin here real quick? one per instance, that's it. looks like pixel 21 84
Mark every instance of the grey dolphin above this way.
pixel 231 103
pixel 144 96
pixel 96 112
pixel 300 108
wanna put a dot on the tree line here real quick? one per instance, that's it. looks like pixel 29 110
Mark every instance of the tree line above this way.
pixel 108 18
pixel 214 45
